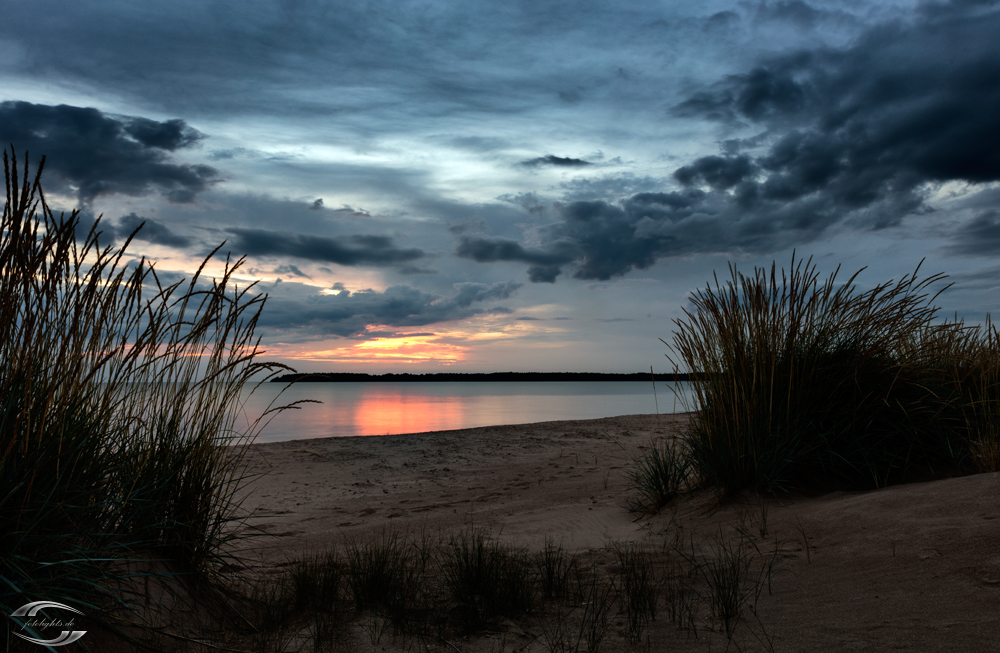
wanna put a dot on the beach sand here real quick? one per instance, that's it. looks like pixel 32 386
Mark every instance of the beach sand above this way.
pixel 913 567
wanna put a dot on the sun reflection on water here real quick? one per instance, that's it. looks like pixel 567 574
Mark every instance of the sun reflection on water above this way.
pixel 393 412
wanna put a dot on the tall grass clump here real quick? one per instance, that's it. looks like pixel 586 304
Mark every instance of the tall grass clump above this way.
pixel 384 573
pixel 118 394
pixel 553 565
pixel 659 476
pixel 808 383
pixel 732 586
pixel 488 578
pixel 639 586
pixel 317 580
pixel 975 375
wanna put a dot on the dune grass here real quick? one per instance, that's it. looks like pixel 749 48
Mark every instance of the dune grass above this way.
pixel 120 416
pixel 400 593
pixel 639 586
pixel 553 566
pixel 487 578
pixel 658 476
pixel 383 573
pixel 806 384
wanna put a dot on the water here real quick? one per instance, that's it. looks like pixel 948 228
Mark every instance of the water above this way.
pixel 392 408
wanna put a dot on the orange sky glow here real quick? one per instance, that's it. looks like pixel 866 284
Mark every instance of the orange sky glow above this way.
pixel 404 349
pixel 444 346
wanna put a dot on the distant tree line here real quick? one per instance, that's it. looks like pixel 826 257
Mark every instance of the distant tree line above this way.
pixel 355 377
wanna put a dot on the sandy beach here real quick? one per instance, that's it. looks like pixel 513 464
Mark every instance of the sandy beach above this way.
pixel 913 567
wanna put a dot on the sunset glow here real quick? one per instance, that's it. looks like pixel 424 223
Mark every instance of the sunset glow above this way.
pixel 403 349
pixel 412 348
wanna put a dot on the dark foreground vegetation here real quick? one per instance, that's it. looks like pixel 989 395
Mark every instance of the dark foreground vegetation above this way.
pixel 813 385
pixel 121 440
pixel 472 591
pixel 117 394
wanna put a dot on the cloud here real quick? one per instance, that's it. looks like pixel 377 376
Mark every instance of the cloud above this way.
pixel 900 107
pixel 151 232
pixel 169 135
pixel 558 161
pixel 291 270
pixel 979 237
pixel 296 306
pixel 545 265
pixel 856 136
pixel 721 173
pixel 343 212
pixel 602 187
pixel 348 250
pixel 90 153
pixel 800 14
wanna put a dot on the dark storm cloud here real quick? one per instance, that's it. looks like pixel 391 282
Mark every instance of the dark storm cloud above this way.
pixel 545 265
pixel 854 136
pixel 558 161
pixel 345 313
pixel 92 153
pixel 347 250
pixel 721 173
pixel 169 135
pixel 151 231
pixel 486 250
pixel 760 94
pixel 904 105
pixel 603 239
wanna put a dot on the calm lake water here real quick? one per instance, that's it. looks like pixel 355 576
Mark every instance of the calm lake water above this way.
pixel 391 408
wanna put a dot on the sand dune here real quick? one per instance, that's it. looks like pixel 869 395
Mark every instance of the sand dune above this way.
pixel 913 567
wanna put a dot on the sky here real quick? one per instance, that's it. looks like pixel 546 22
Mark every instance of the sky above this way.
pixel 515 185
